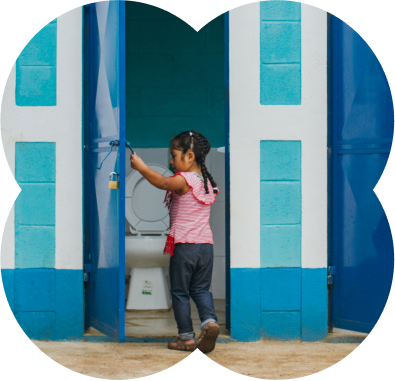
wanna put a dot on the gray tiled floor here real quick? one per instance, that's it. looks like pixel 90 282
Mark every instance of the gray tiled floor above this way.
pixel 162 323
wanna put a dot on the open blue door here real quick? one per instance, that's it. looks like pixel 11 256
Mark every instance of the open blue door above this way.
pixel 105 149
pixel 363 122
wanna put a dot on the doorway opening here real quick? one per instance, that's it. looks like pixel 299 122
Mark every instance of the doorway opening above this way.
pixel 175 81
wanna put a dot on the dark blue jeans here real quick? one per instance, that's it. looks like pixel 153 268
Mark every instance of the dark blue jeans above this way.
pixel 191 269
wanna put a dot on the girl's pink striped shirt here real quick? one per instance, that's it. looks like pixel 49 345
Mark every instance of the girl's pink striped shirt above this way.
pixel 190 213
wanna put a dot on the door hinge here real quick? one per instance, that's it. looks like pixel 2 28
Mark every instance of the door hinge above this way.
pixel 331 273
pixel 87 271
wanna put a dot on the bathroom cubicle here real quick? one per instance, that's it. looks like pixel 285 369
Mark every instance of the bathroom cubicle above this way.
pixel 174 82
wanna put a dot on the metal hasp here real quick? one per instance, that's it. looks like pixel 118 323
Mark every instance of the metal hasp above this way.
pixel 331 273
pixel 87 271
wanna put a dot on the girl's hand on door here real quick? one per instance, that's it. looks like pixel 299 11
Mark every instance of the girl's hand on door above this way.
pixel 136 162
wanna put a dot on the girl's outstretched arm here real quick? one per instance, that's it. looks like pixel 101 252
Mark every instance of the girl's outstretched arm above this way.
pixel 176 183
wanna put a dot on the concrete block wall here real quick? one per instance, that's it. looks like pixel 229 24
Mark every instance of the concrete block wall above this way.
pixel 174 77
pixel 42 252
pixel 278 186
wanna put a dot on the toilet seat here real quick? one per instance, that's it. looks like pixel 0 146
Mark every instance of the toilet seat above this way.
pixel 145 210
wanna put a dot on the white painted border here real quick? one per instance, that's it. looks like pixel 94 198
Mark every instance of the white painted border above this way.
pixel 251 122
pixel 61 124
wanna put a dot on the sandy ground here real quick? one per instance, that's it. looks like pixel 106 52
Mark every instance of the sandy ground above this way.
pixel 264 359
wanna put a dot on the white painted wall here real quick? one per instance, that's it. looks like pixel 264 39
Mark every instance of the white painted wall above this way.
pixel 61 124
pixel 251 122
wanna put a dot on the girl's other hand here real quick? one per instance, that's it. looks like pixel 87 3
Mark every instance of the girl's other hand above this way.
pixel 136 162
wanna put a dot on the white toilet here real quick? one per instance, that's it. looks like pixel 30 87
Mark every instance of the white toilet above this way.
pixel 149 223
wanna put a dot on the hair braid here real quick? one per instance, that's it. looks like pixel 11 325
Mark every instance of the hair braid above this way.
pixel 205 147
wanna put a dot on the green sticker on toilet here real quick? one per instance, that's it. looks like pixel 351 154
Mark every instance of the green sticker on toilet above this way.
pixel 147 288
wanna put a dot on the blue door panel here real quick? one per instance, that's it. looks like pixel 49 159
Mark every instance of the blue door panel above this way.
pixel 106 206
pixel 362 131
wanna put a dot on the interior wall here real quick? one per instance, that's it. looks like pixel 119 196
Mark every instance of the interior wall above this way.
pixel 175 82
pixel 174 77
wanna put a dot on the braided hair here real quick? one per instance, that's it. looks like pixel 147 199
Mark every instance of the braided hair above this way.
pixel 200 146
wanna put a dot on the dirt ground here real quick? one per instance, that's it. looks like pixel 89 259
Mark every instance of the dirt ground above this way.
pixel 264 359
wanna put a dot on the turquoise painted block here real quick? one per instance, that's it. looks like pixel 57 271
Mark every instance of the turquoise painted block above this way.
pixel 280 84
pixel 171 102
pixel 7 277
pixel 280 42
pixel 35 205
pixel 280 202
pixel 37 325
pixel 314 304
pixel 280 160
pixel 35 86
pixel 69 304
pixel 41 50
pixel 280 10
pixel 34 247
pixel 281 326
pixel 281 289
pixel 35 290
pixel 281 245
pixel 245 304
pixel 35 162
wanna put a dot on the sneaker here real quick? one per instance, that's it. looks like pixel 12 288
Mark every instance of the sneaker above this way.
pixel 208 337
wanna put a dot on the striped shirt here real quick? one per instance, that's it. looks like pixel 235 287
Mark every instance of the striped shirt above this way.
pixel 190 213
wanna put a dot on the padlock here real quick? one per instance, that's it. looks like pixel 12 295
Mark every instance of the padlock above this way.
pixel 113 184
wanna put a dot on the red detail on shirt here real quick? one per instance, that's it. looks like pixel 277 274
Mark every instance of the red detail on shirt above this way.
pixel 190 213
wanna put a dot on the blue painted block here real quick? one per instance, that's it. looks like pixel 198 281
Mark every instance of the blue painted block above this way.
pixel 314 304
pixel 215 32
pixel 69 304
pixel 280 10
pixel 280 202
pixel 158 36
pixel 7 277
pixel 34 247
pixel 280 42
pixel 281 245
pixel 280 289
pixel 35 162
pixel 245 304
pixel 37 325
pixel 41 50
pixel 35 205
pixel 141 11
pixel 34 290
pixel 133 102
pixel 280 160
pixel 35 86
pixel 282 326
pixel 281 84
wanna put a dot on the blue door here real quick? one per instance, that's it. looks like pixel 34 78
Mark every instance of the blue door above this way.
pixel 362 130
pixel 104 154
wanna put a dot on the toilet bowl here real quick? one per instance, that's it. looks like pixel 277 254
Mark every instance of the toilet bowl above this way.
pixel 149 223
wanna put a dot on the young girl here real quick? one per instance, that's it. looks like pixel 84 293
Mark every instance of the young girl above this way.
pixel 190 240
